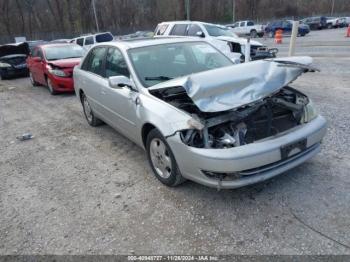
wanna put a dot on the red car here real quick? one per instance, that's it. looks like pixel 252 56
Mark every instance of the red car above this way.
pixel 52 65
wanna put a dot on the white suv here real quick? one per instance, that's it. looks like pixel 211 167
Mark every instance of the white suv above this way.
pixel 87 41
pixel 219 36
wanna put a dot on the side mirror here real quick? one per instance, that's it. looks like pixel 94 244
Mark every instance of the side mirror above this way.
pixel 37 59
pixel 200 34
pixel 118 82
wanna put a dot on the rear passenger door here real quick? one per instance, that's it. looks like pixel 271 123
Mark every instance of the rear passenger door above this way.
pixel 92 78
pixel 120 104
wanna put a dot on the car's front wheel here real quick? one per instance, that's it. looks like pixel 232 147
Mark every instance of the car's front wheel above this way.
pixel 253 34
pixel 50 86
pixel 162 160
pixel 32 80
pixel 89 114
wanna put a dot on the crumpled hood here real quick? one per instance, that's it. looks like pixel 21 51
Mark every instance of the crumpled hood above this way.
pixel 65 63
pixel 14 49
pixel 234 86
pixel 240 40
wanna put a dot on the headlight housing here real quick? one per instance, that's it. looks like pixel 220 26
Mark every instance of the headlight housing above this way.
pixel 310 112
pixel 58 72
pixel 4 65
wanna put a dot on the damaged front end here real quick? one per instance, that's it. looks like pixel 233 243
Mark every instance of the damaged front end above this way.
pixel 235 112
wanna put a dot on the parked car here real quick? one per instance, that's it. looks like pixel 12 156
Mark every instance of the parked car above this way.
pixel 244 28
pixel 87 41
pixel 197 114
pixel 316 23
pixel 344 22
pixel 221 37
pixel 333 22
pixel 13 60
pixel 138 34
pixel 286 26
pixel 52 65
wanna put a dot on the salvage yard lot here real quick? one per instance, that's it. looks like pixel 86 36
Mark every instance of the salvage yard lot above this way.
pixel 74 189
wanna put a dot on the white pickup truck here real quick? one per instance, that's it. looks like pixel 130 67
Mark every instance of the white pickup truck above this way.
pixel 243 28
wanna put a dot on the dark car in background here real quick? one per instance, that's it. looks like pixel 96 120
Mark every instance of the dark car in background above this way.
pixel 286 26
pixel 316 22
pixel 13 60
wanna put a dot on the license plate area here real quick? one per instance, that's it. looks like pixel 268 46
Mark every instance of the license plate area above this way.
pixel 293 148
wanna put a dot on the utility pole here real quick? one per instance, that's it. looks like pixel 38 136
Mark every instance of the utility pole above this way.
pixel 188 11
pixel 233 10
pixel 332 7
pixel 96 21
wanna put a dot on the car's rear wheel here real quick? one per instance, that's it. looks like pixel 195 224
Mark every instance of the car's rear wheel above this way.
pixel 50 86
pixel 89 114
pixel 32 80
pixel 162 160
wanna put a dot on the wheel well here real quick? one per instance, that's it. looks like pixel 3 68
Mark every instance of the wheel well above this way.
pixel 145 131
pixel 81 92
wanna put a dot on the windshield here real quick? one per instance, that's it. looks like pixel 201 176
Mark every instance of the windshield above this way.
pixel 214 30
pixel 63 52
pixel 159 63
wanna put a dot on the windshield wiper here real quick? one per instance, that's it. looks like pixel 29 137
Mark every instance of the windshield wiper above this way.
pixel 155 78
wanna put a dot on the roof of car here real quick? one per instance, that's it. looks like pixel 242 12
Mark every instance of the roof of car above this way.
pixel 141 42
pixel 187 22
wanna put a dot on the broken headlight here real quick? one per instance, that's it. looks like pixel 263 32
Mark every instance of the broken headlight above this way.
pixel 310 112
pixel 58 72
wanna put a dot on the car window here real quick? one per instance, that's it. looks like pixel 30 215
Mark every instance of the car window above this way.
pixel 94 61
pixel 155 64
pixel 80 41
pixel 179 29
pixel 161 30
pixel 89 40
pixel 193 30
pixel 115 64
pixel 235 24
pixel 104 37
pixel 241 24
pixel 250 23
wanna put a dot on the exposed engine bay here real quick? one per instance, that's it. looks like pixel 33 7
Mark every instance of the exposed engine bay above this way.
pixel 270 116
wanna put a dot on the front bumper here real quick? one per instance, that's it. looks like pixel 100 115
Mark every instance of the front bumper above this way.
pixel 248 164
pixel 62 84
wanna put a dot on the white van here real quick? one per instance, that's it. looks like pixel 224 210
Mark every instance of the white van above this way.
pixel 87 41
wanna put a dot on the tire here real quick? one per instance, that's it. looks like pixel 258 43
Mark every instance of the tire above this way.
pixel 162 160
pixel 329 26
pixel 89 114
pixel 261 35
pixel 50 86
pixel 34 83
pixel 253 34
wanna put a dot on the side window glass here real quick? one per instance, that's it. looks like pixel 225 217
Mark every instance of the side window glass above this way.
pixel 179 29
pixel 115 64
pixel 35 52
pixel 250 23
pixel 89 40
pixel 94 61
pixel 39 53
pixel 241 24
pixel 80 41
pixel 194 29
pixel 162 29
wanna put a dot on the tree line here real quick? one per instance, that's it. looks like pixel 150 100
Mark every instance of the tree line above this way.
pixel 49 19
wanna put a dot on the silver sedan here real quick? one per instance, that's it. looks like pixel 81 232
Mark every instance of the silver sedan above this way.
pixel 199 116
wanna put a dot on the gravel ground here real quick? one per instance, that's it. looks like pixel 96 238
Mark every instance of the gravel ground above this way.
pixel 74 189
